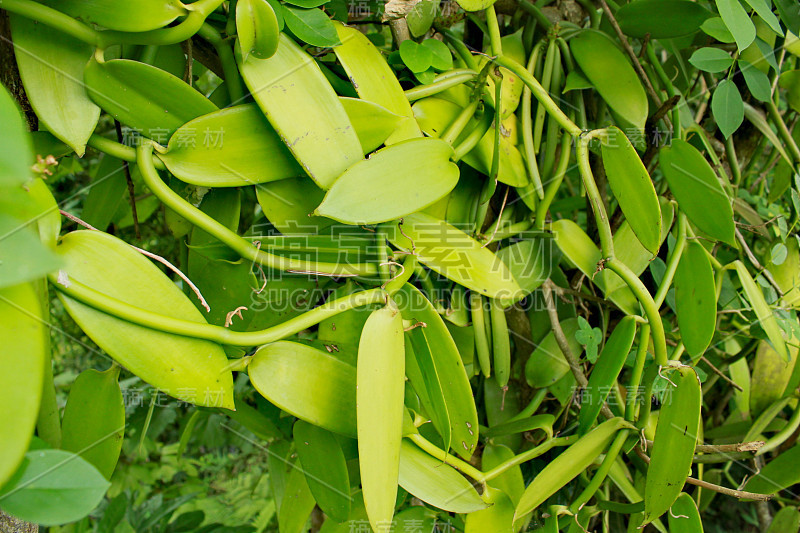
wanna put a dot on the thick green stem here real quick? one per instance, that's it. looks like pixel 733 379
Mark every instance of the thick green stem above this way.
pixel 494 31
pixel 636 373
pixel 783 131
pixel 784 434
pixel 125 311
pixel 601 473
pixel 555 183
pixel 447 458
pixel 53 18
pixel 442 82
pixel 118 150
pixel 526 456
pixel 650 308
pixel 233 81
pixel 601 217
pixel 527 125
pixel 144 157
pixel 672 262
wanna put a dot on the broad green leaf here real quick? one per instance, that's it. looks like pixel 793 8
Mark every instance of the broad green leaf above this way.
pixel 15 160
pixel 674 442
pixel 296 504
pixel 605 372
pixel 778 474
pixel 435 114
pixel 716 28
pixel 770 377
pixel 564 468
pixel 236 146
pixel 530 262
pixel 325 467
pixel 436 483
pixel 790 14
pixel 243 150
pixel 287 204
pixel 787 274
pixel 416 57
pixel 576 81
pixel 766 319
pixel 23 257
pixel 631 184
pixel 188 369
pixel 142 15
pixel 763 9
pixel 309 117
pixel 394 182
pixel 757 81
pixel 737 21
pixel 30 494
pixel 580 251
pixel 787 519
pixel 205 270
pixel 684 516
pixel 310 384
pixel 379 406
pixel 155 102
pixel 311 26
pixel 546 365
pixel 711 59
pixel 612 75
pixel 454 254
pixel 256 28
pixel 94 419
pixel 21 372
pixel 51 67
pixel 498 518
pixel 790 81
pixel 698 190
pixel 661 19
pixel 107 191
pixel 449 367
pixel 424 378
pixel 695 299
pixel 373 123
pixel 511 481
pixel 374 80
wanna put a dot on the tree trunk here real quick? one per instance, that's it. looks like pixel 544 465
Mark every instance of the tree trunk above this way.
pixel 9 73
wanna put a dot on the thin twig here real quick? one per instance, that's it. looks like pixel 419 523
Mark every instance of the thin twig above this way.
pixel 187 71
pixel 741 494
pixel 129 180
pixel 752 446
pixel 563 344
pixel 151 255
pixel 719 372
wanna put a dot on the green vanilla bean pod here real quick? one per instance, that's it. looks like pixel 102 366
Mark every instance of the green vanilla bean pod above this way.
pixel 479 326
pixel 534 63
pixel 501 346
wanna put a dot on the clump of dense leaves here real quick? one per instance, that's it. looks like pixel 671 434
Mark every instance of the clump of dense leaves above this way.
pixel 486 268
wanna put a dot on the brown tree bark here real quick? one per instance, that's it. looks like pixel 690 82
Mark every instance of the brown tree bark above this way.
pixel 9 73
